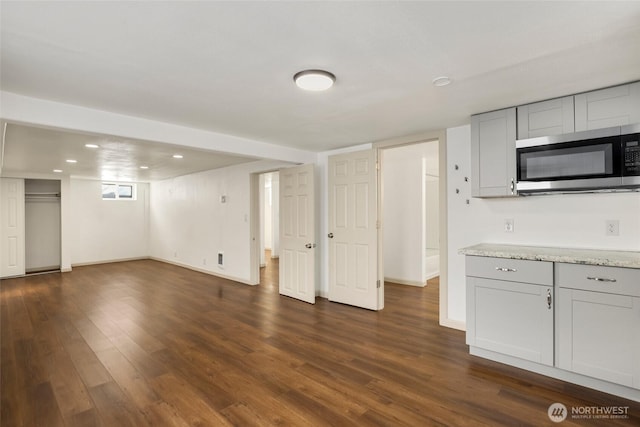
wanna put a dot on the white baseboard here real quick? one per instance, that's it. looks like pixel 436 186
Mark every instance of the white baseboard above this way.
pixel 453 324
pixel 200 270
pixel 406 282
pixel 106 261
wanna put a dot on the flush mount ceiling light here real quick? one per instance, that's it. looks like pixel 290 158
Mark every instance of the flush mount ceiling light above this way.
pixel 91 145
pixel 177 156
pixel 441 81
pixel 71 161
pixel 144 167
pixel 57 170
pixel 314 80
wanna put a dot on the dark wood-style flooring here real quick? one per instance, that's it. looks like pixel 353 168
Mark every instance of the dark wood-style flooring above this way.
pixel 146 343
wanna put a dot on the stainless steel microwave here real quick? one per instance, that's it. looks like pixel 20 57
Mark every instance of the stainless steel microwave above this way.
pixel 597 160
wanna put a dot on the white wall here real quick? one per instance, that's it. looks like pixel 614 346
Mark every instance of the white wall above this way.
pixel 432 212
pixel 268 213
pixel 106 230
pixel 275 214
pixel 410 204
pixel 403 209
pixel 189 225
pixel 575 220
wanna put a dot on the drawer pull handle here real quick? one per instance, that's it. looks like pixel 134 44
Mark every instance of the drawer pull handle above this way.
pixel 549 299
pixel 510 270
pixel 602 279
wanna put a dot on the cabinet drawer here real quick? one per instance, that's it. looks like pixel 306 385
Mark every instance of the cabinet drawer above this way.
pixel 612 280
pixel 513 270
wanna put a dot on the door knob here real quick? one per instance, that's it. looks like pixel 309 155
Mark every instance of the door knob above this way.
pixel 310 245
pixel 330 235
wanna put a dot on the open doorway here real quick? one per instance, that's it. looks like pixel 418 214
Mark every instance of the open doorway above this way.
pixel 42 226
pixel 410 182
pixel 266 226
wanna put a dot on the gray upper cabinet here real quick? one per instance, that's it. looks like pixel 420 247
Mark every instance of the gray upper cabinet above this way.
pixel 614 106
pixel 493 154
pixel 493 134
pixel 553 117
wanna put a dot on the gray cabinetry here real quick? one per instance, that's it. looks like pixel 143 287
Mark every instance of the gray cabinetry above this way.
pixel 598 330
pixel 552 117
pixel 493 154
pixel 510 307
pixel 615 106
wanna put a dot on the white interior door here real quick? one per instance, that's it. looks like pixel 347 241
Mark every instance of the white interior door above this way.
pixel 12 254
pixel 297 233
pixel 353 230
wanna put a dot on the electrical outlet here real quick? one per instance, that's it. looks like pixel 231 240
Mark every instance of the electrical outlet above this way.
pixel 508 225
pixel 612 227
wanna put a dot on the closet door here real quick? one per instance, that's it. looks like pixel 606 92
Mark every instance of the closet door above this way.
pixel 12 259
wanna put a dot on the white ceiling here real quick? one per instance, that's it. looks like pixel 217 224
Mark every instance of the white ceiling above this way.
pixel 228 66
pixel 32 150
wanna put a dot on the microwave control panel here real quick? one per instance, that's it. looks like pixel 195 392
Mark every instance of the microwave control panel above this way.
pixel 632 156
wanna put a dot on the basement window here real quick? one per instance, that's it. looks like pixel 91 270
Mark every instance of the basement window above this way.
pixel 117 191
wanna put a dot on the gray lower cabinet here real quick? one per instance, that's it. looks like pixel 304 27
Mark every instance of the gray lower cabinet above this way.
pixel 510 307
pixel 598 326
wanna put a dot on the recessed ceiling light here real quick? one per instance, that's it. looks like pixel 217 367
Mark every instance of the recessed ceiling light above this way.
pixel 91 145
pixel 57 170
pixel 441 81
pixel 71 161
pixel 314 80
pixel 177 156
pixel 144 167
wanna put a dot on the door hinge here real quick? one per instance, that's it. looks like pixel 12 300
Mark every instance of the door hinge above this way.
pixel 378 224
pixel 378 283
pixel 377 166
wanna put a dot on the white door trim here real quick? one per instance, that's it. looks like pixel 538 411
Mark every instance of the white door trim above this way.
pixel 441 136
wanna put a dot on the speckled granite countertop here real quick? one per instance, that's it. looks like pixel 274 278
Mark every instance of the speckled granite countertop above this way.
pixel 628 259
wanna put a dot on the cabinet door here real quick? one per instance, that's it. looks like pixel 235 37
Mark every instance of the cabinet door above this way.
pixel 553 117
pixel 599 335
pixel 493 154
pixel 615 106
pixel 511 318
